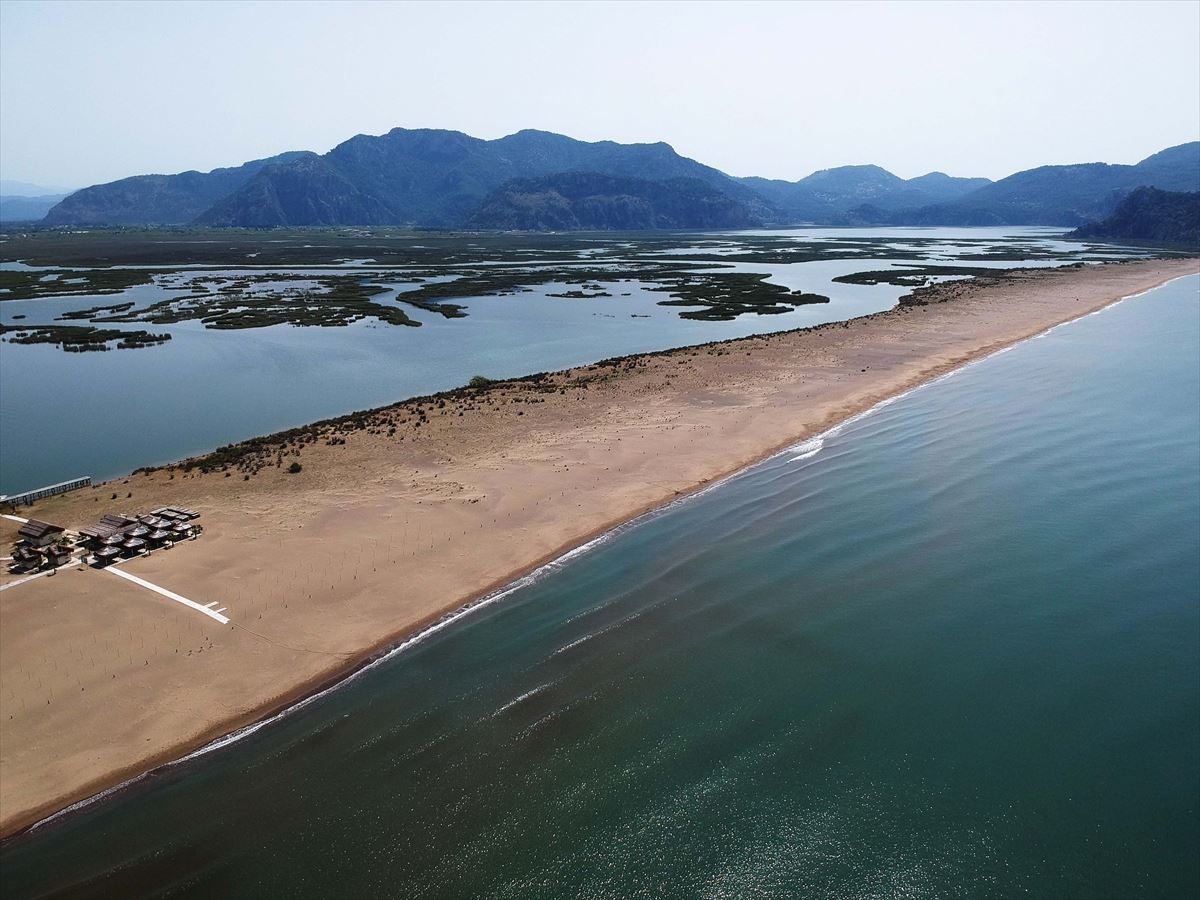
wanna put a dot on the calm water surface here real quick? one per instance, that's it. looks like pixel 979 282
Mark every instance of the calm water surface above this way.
pixel 63 415
pixel 955 653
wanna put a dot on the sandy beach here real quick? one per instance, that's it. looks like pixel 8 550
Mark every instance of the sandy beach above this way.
pixel 402 514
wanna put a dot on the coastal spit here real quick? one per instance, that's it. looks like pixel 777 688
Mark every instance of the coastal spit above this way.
pixel 326 545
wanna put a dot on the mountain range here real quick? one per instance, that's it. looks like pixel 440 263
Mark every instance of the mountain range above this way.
pixel 1058 195
pixel 540 180
pixel 19 208
pixel 21 201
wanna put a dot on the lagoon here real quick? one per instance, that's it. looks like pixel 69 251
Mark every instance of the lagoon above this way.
pixel 104 414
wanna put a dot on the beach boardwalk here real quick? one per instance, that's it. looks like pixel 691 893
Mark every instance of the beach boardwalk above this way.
pixel 171 595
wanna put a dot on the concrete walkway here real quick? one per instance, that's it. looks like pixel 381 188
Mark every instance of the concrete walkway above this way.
pixel 13 518
pixel 75 563
pixel 170 595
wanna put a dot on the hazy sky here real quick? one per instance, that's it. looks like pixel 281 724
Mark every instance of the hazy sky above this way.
pixel 95 91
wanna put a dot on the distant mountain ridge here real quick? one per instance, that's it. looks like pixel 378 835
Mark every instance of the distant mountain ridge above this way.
pixel 21 201
pixel 447 179
pixel 1056 195
pixel 830 194
pixel 25 189
pixel 24 208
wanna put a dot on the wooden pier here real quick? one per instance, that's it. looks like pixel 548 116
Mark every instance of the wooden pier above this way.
pixel 49 491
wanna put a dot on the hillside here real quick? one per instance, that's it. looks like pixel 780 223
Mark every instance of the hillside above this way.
pixel 156 199
pixel 303 191
pixel 1152 216
pixel 590 201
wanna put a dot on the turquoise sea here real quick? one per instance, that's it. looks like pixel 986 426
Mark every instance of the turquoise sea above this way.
pixel 954 653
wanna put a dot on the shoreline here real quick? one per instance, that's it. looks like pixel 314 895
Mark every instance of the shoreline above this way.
pixel 328 678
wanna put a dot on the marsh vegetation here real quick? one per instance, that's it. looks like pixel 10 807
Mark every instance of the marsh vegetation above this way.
pixel 246 279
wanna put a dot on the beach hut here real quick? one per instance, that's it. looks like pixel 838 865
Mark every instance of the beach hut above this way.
pixel 57 555
pixel 25 559
pixel 36 533
pixel 92 537
pixel 133 545
pixel 116 520
pixel 105 555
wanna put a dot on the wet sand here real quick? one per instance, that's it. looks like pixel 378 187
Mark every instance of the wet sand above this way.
pixel 401 516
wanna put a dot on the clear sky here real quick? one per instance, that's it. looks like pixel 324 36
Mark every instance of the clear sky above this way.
pixel 95 91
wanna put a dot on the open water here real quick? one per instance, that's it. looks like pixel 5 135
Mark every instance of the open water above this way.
pixel 952 650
